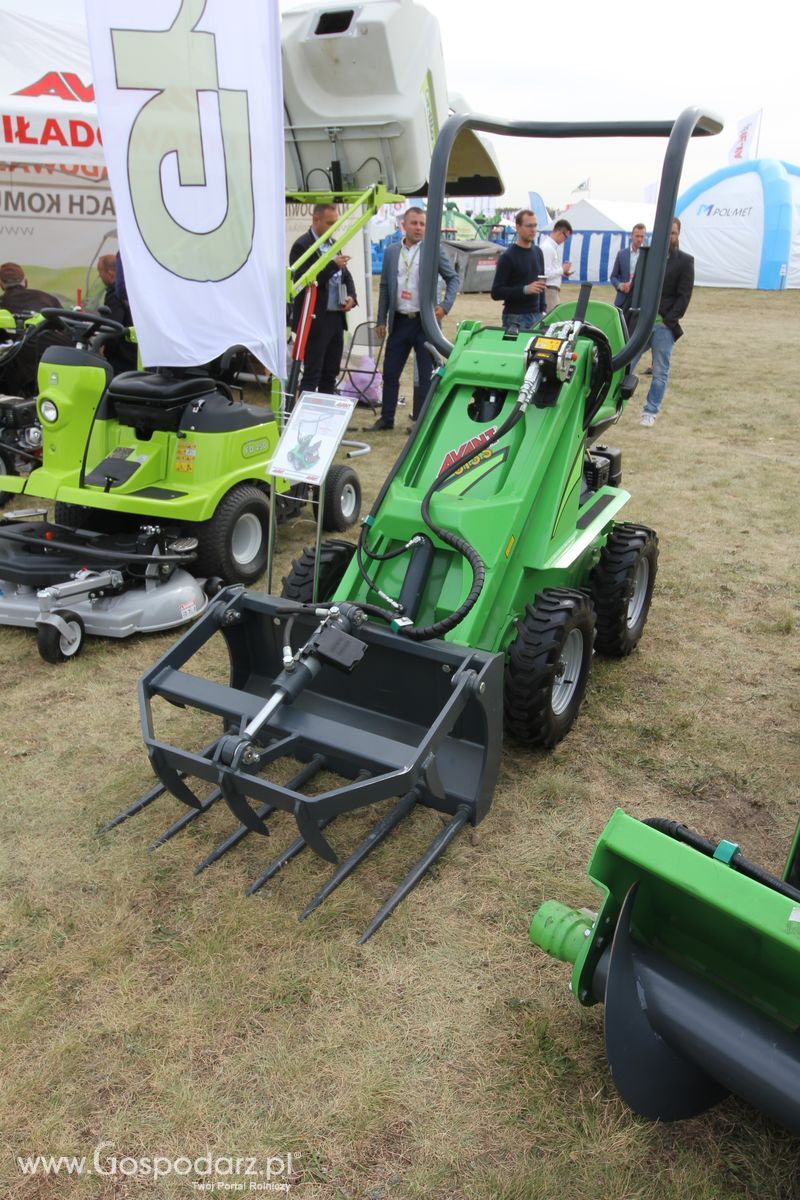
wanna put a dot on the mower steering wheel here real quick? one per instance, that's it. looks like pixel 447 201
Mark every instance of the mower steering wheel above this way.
pixel 91 322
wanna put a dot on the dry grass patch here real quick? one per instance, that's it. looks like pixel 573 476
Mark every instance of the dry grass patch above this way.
pixel 446 1059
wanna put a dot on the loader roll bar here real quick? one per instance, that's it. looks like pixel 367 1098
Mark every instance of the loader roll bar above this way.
pixel 692 122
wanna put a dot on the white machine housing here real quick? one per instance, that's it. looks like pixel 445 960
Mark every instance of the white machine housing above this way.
pixel 364 97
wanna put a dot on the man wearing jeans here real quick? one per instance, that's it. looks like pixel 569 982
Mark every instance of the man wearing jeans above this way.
pixel 519 276
pixel 676 293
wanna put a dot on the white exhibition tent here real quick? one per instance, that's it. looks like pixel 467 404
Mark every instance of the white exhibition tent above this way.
pixel 601 229
pixel 56 209
pixel 742 224
pixel 618 216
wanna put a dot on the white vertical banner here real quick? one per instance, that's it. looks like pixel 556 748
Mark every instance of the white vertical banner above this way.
pixel 190 100
pixel 746 138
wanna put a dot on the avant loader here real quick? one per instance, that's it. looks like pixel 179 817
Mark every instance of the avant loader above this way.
pixel 491 567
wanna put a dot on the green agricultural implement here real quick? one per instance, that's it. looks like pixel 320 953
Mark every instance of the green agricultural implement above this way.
pixel 696 953
pixel 489 568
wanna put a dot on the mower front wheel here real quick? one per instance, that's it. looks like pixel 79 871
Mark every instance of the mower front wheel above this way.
pixel 56 646
pixel 548 667
pixel 334 559
pixel 6 468
pixel 234 542
pixel 342 499
pixel 622 588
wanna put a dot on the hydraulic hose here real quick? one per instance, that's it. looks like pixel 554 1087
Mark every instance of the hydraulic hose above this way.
pixel 741 864
pixel 601 375
pixel 439 628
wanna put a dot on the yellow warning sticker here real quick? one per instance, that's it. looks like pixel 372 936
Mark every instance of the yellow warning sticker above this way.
pixel 185 454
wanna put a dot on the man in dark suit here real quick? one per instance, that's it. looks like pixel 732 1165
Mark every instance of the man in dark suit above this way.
pixel 398 311
pixel 625 265
pixel 325 343
pixel 675 296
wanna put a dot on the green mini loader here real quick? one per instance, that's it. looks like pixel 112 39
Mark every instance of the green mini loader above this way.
pixel 488 570
pixel 696 953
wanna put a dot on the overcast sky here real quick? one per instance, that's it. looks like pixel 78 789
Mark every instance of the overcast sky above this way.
pixel 579 61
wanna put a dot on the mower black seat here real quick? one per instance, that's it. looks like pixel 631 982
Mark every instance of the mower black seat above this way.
pixel 152 388
pixel 151 401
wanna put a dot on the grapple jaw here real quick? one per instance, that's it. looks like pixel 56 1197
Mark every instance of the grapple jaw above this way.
pixel 389 718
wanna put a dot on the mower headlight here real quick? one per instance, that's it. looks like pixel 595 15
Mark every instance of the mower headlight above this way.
pixel 48 411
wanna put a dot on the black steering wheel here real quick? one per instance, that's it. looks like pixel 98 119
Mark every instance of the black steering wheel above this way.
pixel 89 323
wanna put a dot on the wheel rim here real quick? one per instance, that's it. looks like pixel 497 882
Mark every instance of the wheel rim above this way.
pixel 247 539
pixel 568 672
pixel 638 598
pixel 348 502
pixel 70 642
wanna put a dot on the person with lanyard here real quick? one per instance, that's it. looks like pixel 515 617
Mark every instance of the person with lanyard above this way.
pixel 398 311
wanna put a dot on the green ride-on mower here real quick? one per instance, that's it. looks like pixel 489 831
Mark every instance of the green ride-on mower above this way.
pixel 169 447
pixel 696 953
pixel 489 569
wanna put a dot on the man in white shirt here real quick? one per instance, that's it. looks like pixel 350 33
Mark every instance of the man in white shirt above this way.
pixel 398 310
pixel 554 269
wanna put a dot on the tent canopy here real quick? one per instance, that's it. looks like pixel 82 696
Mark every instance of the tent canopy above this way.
pixel 618 216
pixel 47 111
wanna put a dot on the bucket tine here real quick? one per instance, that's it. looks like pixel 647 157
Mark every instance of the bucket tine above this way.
pixel 185 820
pixel 292 851
pixel 312 768
pixel 157 790
pixel 241 831
pixel 288 854
pixel 434 851
pixel 373 838
pixel 132 809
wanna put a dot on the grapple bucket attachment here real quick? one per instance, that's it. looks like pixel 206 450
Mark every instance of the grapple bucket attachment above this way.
pixel 390 719
pixel 696 953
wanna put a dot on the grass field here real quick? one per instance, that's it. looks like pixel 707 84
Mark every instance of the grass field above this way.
pixel 169 1015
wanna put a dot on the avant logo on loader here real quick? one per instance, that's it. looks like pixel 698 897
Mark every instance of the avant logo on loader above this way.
pixel 475 444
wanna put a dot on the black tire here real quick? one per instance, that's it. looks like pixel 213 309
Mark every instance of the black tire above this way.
pixel 234 543
pixel 342 499
pixel 548 667
pixel 334 559
pixel 622 588
pixel 213 586
pixel 53 645
pixel 6 468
